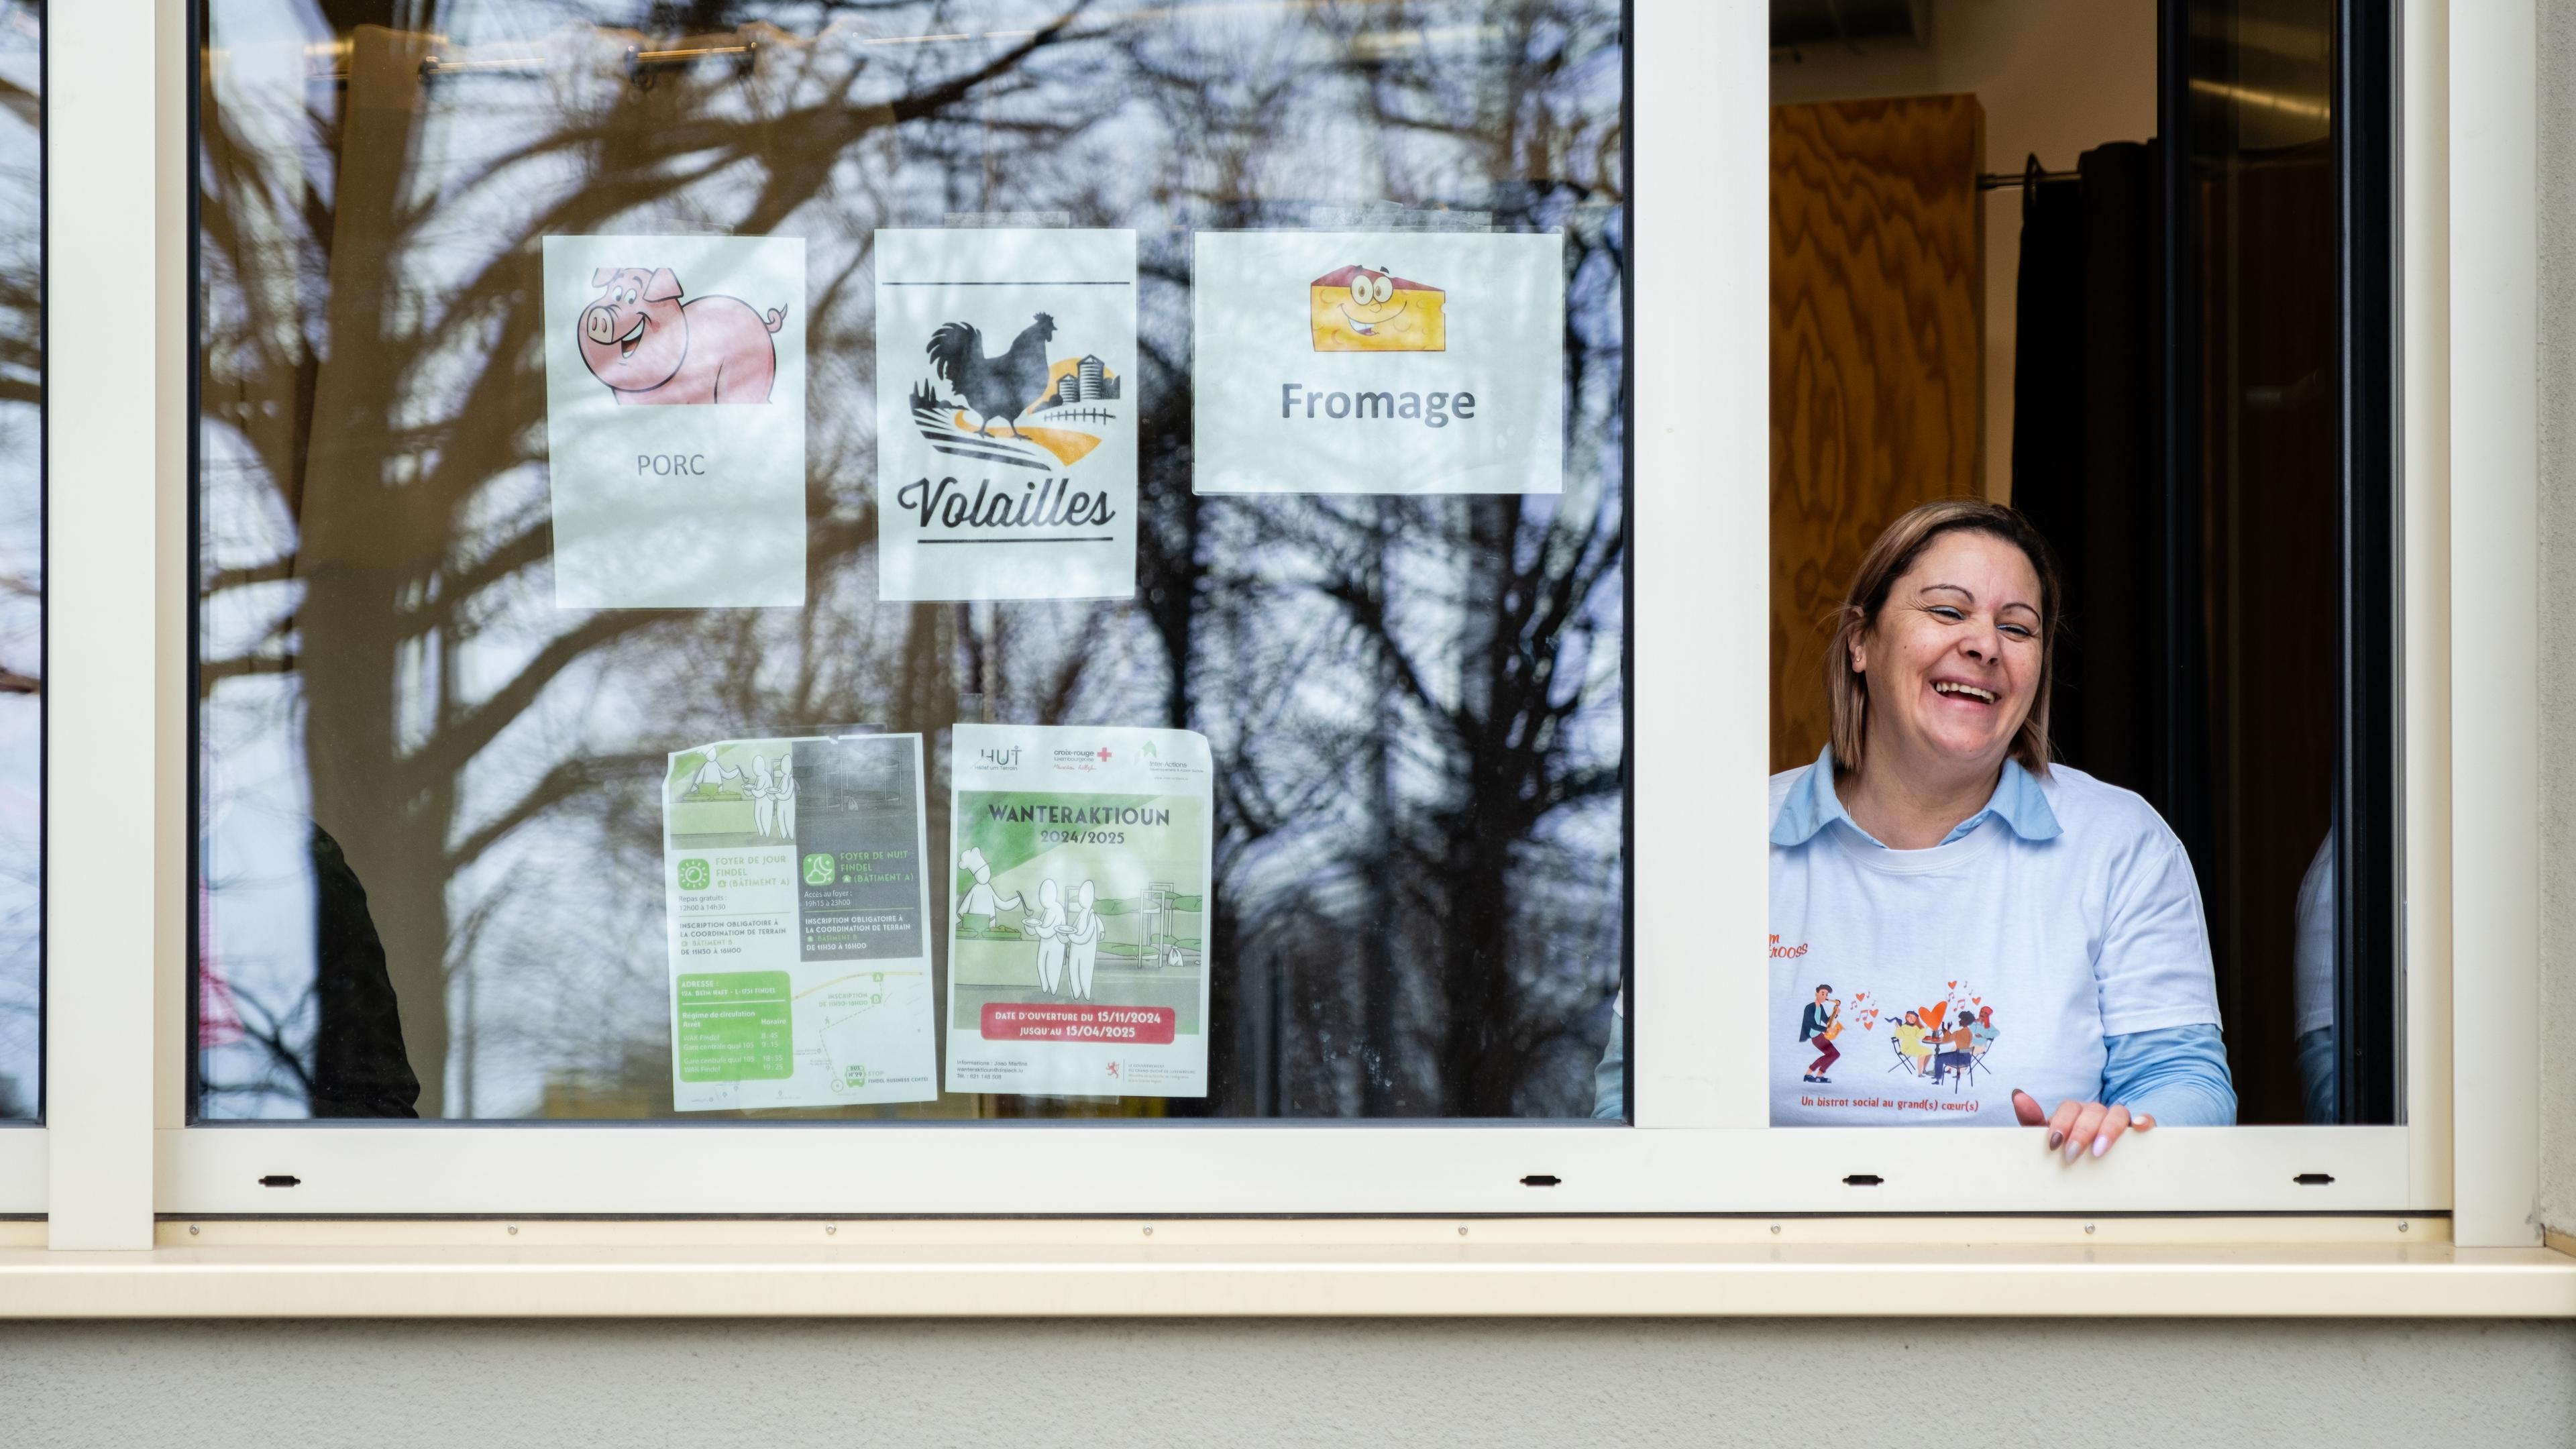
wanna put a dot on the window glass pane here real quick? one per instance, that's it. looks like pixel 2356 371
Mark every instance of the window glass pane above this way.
pixel 455 688
pixel 2060 808
pixel 22 555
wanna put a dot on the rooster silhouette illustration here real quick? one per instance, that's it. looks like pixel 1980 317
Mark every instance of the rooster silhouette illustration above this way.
pixel 993 387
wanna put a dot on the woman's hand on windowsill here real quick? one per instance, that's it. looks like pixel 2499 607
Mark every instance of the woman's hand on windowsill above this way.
pixel 2079 1128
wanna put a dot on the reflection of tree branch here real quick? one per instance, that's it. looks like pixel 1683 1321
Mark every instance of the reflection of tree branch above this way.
pixel 1369 613
pixel 274 571
pixel 273 1033
pixel 215 671
pixel 464 737
pixel 566 780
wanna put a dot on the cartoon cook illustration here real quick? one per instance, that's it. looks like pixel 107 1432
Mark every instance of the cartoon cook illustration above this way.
pixel 977 908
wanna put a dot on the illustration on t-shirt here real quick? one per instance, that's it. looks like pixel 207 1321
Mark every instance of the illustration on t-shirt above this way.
pixel 1943 1043
pixel 1818 1024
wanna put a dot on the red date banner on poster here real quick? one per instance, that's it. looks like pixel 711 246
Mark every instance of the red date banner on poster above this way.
pixel 1033 1021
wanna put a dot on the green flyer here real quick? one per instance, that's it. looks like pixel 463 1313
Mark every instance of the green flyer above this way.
pixel 1078 908
pixel 799 923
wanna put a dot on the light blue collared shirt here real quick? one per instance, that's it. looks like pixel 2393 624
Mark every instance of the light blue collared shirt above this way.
pixel 2179 1073
pixel 1812 805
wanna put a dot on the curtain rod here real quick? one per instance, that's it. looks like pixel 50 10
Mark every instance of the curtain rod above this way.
pixel 1999 180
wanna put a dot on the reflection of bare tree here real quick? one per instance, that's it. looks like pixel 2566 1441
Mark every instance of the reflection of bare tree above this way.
pixel 1482 633
pixel 388 397
pixel 21 556
pixel 372 381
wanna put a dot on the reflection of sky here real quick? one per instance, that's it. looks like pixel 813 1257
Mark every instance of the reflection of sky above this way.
pixel 21 580
pixel 1285 125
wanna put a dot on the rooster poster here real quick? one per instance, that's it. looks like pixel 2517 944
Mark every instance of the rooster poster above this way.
pixel 1006 416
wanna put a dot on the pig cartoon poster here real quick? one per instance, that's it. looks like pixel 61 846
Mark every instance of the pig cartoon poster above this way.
pixel 1379 362
pixel 1006 414
pixel 675 420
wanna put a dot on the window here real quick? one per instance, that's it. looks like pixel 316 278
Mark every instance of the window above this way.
pixel 2164 339
pixel 22 558
pixel 440 736
pixel 553 729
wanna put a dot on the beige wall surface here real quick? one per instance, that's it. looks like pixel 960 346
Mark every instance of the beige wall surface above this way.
pixel 2557 616
pixel 2057 77
pixel 769 1385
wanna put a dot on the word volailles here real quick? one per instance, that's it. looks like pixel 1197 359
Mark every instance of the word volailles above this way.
pixel 1051 504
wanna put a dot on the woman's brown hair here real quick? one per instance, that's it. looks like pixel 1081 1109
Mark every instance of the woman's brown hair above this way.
pixel 1885 563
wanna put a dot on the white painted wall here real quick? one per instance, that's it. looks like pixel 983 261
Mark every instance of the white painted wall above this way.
pixel 763 1385
pixel 2057 77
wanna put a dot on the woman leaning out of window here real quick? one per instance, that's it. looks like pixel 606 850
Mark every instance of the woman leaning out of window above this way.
pixel 1961 932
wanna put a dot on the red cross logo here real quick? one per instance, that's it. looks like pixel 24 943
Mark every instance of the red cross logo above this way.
pixel 1104 754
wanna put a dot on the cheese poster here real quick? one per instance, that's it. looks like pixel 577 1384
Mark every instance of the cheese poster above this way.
pixel 798 912
pixel 1078 909
pixel 675 420
pixel 1006 414
pixel 1379 362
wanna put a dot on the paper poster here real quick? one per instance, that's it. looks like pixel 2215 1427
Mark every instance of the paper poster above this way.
pixel 675 420
pixel 799 923
pixel 1379 362
pixel 1078 908
pixel 1006 414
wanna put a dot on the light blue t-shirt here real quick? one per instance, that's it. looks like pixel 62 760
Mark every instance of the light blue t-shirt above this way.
pixel 2061 915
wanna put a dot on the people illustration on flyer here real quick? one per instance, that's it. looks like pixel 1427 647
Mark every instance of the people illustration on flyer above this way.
pixel 980 904
pixel 1065 923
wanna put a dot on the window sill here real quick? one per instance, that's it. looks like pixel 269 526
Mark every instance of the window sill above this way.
pixel 1517 1268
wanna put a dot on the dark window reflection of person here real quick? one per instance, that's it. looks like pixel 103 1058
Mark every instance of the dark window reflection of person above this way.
pixel 359 1066
pixel 2312 985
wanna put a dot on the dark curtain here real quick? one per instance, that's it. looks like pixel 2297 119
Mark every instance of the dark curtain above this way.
pixel 2088 451
pixel 2195 663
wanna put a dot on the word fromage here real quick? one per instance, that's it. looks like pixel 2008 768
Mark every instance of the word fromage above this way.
pixel 1432 411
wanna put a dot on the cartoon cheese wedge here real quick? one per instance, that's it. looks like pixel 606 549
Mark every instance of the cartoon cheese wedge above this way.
pixel 1359 310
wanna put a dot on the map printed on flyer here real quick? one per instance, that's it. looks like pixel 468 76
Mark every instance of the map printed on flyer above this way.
pixel 1006 414
pixel 798 915
pixel 1077 957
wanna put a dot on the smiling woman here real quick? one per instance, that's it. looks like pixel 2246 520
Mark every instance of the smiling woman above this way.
pixel 2019 933
pixel 2024 934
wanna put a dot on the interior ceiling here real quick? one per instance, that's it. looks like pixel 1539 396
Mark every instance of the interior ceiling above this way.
pixel 1853 23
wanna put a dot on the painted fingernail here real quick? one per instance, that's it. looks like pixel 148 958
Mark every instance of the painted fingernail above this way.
pixel 2101 1145
pixel 2072 1148
pixel 2054 1138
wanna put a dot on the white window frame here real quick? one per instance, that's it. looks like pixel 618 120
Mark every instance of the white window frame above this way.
pixel 118 1151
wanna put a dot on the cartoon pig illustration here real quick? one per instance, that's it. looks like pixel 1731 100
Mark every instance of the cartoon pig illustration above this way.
pixel 650 347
